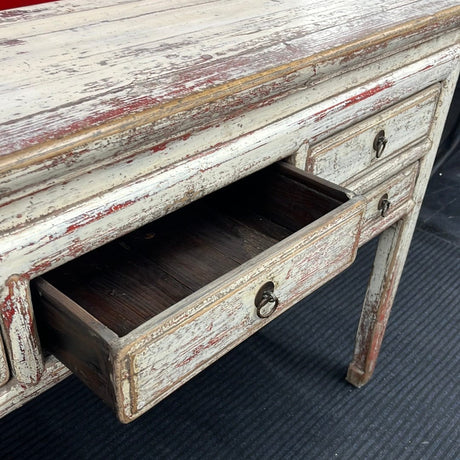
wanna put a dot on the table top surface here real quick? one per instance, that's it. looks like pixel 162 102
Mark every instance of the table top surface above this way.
pixel 72 66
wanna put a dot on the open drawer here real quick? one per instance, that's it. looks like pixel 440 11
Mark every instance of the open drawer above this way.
pixel 138 317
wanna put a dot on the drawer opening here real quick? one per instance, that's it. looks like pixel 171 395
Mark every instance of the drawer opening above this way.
pixel 130 280
pixel 136 318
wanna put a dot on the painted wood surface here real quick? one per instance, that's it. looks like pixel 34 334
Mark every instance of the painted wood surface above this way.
pixel 399 189
pixel 4 369
pixel 209 322
pixel 14 394
pixel 19 330
pixel 341 157
pixel 127 282
pixel 61 236
pixel 144 133
pixel 390 258
pixel 143 63
pixel 225 321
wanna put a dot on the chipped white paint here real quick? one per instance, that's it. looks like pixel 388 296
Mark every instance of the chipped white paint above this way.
pixel 145 62
pixel 399 189
pixel 134 197
pixel 341 157
pixel 19 331
pixel 391 255
pixel 175 102
pixel 227 316
pixel 4 370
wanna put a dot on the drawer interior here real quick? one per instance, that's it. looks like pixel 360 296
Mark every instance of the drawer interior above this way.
pixel 127 282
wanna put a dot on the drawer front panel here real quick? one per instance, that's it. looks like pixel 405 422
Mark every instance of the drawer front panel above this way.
pixel 163 359
pixel 342 157
pixel 398 191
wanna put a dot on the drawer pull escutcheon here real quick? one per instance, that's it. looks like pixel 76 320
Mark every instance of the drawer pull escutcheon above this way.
pixel 384 205
pixel 266 301
pixel 380 143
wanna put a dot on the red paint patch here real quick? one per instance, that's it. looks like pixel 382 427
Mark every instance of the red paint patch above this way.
pixel 353 100
pixel 41 267
pixel 8 310
pixel 159 147
pixel 8 4
pixel 7 313
pixel 120 108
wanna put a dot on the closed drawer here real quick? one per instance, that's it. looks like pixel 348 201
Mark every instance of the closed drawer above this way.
pixel 138 317
pixel 388 202
pixel 372 142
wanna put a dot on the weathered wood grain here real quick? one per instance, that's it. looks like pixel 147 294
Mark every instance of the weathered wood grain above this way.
pixel 150 145
pixel 373 176
pixel 399 189
pixel 125 283
pixel 124 141
pixel 113 84
pixel 390 258
pixel 94 221
pixel 86 353
pixel 221 315
pixel 120 100
pixel 341 157
pixel 4 369
pixel 19 330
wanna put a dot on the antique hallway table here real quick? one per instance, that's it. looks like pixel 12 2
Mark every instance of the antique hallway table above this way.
pixel 174 175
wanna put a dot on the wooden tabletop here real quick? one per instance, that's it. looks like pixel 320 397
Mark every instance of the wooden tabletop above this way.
pixel 73 69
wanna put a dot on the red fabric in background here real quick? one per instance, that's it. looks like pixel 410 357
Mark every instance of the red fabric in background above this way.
pixel 8 4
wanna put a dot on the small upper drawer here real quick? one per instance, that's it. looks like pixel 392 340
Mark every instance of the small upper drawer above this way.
pixel 345 155
pixel 138 317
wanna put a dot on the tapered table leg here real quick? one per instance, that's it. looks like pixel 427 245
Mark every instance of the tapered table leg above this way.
pixel 388 265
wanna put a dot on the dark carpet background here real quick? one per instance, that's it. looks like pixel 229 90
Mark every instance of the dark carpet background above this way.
pixel 282 393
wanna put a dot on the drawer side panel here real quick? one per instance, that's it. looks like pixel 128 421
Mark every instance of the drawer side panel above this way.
pixel 64 331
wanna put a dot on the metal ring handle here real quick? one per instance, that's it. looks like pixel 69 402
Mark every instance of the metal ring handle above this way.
pixel 380 143
pixel 266 301
pixel 384 205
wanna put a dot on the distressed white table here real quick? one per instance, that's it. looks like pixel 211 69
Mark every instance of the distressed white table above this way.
pixel 116 113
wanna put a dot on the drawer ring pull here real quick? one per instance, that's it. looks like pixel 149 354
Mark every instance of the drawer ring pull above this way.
pixel 380 143
pixel 266 301
pixel 384 205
